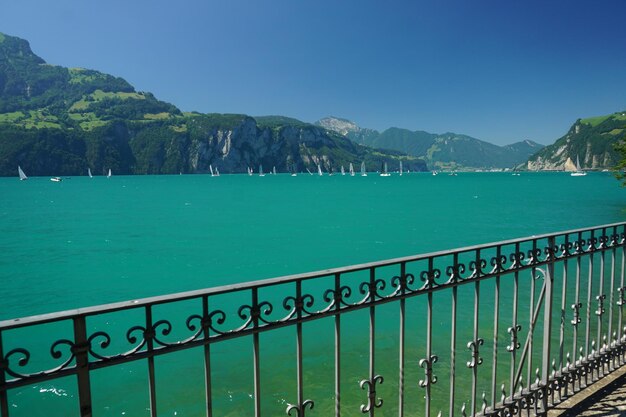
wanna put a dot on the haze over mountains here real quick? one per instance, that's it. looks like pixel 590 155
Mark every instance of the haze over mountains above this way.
pixel 440 151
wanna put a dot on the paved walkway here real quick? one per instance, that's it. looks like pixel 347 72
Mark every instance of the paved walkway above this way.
pixel 605 398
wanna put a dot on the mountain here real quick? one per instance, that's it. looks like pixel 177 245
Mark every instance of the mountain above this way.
pixel 592 140
pixel 60 121
pixel 441 151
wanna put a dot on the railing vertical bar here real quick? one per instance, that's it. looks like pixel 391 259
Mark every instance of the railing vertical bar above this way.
pixel 372 314
pixel 401 343
pixel 456 272
pixel 338 346
pixel 614 241
pixel 82 366
pixel 600 298
pixel 621 305
pixel 565 250
pixel 207 356
pixel 588 311
pixel 576 306
pixel 300 381
pixel 429 335
pixel 531 329
pixel 496 317
pixel 475 334
pixel 4 400
pixel 547 329
pixel 150 349
pixel 514 328
pixel 563 306
pixel 256 352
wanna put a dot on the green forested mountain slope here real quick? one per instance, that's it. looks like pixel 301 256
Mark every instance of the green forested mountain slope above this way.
pixel 60 121
pixel 592 140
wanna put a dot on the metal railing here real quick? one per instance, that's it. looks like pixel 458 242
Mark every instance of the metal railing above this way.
pixel 542 294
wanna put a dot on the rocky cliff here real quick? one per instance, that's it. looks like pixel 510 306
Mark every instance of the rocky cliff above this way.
pixel 591 140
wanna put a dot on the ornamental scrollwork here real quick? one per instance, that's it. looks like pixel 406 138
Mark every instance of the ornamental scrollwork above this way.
pixel 402 284
pixel 497 263
pixel 474 347
pixel 591 244
pixel 600 310
pixel 515 344
pixel 429 278
pixel 372 401
pixel 369 290
pixel 477 266
pixel 455 273
pixel 427 365
pixel 253 315
pixel 576 319
pixel 517 259
pixel 534 256
pixel 336 298
pixel 300 409
pixel 24 359
pixel 297 306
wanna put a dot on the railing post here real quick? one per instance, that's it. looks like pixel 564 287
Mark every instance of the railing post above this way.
pixel 4 402
pixel 81 352
pixel 547 325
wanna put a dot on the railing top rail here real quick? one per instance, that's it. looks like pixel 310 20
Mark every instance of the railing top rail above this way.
pixel 124 305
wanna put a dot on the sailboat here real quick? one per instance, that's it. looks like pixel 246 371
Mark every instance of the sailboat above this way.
pixel 363 173
pixel 211 169
pixel 515 172
pixel 249 171
pixel 261 174
pixel 351 170
pixel 343 171
pixel 217 172
pixel 274 170
pixel 579 172
pixel 400 168
pixel 89 172
pixel 319 170
pixel 384 172
pixel 109 174
pixel 21 174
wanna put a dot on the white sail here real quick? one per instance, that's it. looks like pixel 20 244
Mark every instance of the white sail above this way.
pixel 319 169
pixel 343 172
pixel 217 172
pixel 363 172
pixel 400 168
pixel 351 169
pixel 274 170
pixel 261 174
pixel 384 172
pixel 579 171
pixel 21 174
pixel 89 172
pixel 211 170
pixel 109 174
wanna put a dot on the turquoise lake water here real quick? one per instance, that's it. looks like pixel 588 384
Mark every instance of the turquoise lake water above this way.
pixel 87 241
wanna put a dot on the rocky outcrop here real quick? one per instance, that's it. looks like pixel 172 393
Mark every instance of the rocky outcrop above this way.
pixel 591 140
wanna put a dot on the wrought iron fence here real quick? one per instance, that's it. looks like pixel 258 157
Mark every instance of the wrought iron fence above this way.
pixel 551 323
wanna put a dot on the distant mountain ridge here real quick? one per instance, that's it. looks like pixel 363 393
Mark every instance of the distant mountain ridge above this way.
pixel 440 151
pixel 61 121
pixel 591 140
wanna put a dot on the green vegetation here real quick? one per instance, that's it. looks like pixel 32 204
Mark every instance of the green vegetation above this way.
pixel 597 141
pixel 59 121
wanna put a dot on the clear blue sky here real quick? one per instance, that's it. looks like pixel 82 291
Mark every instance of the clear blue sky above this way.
pixel 498 70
